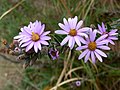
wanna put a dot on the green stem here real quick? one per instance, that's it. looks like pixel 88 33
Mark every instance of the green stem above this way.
pixel 88 9
pixel 88 70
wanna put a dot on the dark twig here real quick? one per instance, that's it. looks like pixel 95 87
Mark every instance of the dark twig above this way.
pixel 8 59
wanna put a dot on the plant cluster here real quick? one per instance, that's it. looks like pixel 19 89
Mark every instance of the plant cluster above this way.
pixel 94 42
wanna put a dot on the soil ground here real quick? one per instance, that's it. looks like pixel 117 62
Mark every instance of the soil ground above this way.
pixel 10 73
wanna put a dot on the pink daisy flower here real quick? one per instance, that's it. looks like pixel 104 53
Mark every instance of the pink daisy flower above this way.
pixel 111 35
pixel 33 36
pixel 72 28
pixel 93 48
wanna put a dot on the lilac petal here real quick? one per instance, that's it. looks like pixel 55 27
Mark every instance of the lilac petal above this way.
pixel 77 40
pixel 102 42
pixel 67 27
pixel 38 45
pixel 73 43
pixel 113 34
pixel 61 32
pixel 87 40
pixel 31 25
pixel 81 47
pixel 26 40
pixel 17 37
pixel 38 28
pixel 94 35
pixel 98 56
pixel 35 47
pixel 70 23
pixel 83 34
pixel 99 32
pixel 102 37
pixel 19 40
pixel 65 40
pixel 100 29
pixel 26 44
pixel 42 29
pixel 100 53
pixel 21 43
pixel 83 54
pixel 113 38
pixel 111 42
pixel 70 42
pixel 27 30
pixel 25 37
pixel 29 46
pixel 103 27
pixel 82 40
pixel 91 35
pixel 92 56
pixel 113 31
pixel 36 22
pixel 79 25
pixel 103 47
pixel 24 33
pixel 44 42
pixel 45 38
pixel 65 21
pixel 84 29
pixel 87 56
pixel 21 35
pixel 74 22
pixel 64 27
pixel 45 33
pixel 22 29
pixel 53 57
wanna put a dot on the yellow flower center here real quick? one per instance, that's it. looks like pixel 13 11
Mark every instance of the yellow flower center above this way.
pixel 92 46
pixel 35 37
pixel 73 32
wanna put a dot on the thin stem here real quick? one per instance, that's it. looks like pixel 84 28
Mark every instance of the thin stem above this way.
pixel 67 81
pixel 8 11
pixel 63 71
pixel 88 9
pixel 94 65
pixel 90 73
pixel 74 69
pixel 70 67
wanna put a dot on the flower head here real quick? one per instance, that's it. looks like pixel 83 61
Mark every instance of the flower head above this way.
pixel 33 36
pixel 93 48
pixel 15 42
pixel 78 83
pixel 72 28
pixel 17 49
pixel 54 53
pixel 111 35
